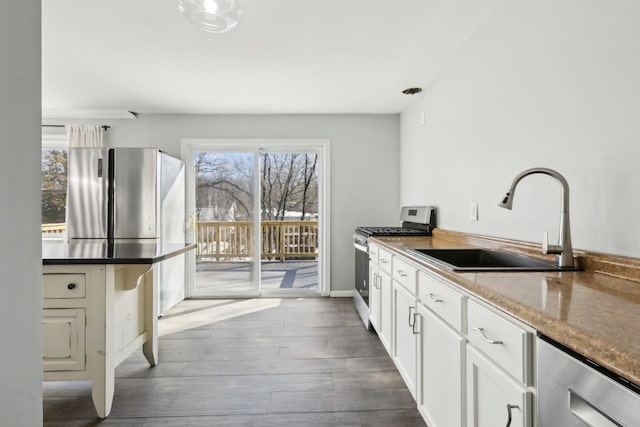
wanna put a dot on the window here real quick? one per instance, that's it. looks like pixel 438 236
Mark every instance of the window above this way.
pixel 54 186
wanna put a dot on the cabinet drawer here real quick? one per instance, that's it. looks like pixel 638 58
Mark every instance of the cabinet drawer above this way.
pixel 441 299
pixel 63 286
pixel 508 345
pixel 384 260
pixel 63 339
pixel 405 274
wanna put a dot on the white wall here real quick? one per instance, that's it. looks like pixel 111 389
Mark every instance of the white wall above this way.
pixel 545 83
pixel 20 248
pixel 364 163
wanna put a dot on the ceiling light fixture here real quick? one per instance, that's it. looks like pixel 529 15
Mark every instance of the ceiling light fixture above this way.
pixel 214 16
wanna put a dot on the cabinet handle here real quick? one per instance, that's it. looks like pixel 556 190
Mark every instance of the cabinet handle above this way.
pixel 402 273
pixel 412 316
pixel 481 330
pixel 509 408
pixel 434 299
pixel 413 327
pixel 71 286
pixel 384 261
pixel 376 280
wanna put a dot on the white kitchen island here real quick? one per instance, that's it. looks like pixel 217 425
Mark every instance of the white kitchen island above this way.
pixel 100 304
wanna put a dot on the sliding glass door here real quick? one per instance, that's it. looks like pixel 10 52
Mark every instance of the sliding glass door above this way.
pixel 289 221
pixel 224 216
pixel 257 216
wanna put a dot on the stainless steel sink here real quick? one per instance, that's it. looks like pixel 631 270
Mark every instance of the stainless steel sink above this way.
pixel 483 260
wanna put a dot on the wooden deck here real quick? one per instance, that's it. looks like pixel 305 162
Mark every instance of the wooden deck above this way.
pixel 254 362
pixel 237 275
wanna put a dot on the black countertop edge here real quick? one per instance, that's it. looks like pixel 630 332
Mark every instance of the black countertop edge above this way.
pixel 119 260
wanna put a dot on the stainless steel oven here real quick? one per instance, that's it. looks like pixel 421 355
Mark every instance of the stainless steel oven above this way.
pixel 416 221
pixel 361 291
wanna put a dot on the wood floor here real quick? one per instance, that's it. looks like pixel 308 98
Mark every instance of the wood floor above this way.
pixel 258 362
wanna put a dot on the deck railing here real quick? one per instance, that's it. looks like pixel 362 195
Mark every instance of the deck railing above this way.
pixel 53 228
pixel 224 240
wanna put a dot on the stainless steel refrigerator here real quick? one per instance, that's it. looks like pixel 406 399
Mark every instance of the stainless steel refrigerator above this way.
pixel 130 195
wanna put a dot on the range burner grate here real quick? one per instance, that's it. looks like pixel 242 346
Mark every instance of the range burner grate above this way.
pixel 391 231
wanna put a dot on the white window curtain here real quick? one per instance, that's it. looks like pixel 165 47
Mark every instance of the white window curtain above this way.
pixel 85 135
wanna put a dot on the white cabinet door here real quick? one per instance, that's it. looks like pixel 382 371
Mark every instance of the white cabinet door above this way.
pixel 386 305
pixel 63 339
pixel 374 296
pixel 404 335
pixel 441 368
pixel 493 397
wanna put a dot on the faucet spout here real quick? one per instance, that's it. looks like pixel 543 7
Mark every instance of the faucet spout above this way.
pixel 564 249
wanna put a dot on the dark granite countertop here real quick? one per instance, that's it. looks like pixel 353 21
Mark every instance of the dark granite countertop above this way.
pixel 103 252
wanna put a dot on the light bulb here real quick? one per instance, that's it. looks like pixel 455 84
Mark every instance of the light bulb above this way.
pixel 215 16
pixel 210 6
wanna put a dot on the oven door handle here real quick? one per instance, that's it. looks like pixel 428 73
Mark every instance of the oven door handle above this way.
pixel 360 247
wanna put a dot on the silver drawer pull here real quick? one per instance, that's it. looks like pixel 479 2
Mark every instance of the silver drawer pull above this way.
pixel 481 330
pixel 412 316
pixel 402 273
pixel 384 261
pixel 434 299
pixel 509 408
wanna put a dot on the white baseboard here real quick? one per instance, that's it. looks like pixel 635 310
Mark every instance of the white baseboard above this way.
pixel 341 294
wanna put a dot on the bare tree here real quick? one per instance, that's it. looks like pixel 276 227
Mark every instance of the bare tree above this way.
pixel 289 182
pixel 223 183
pixel 54 186
pixel 309 179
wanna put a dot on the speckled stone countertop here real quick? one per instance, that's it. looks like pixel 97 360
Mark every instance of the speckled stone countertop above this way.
pixel 594 314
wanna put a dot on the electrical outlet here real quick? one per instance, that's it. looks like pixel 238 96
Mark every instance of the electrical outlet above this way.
pixel 473 211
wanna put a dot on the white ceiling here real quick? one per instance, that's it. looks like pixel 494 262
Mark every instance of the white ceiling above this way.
pixel 285 56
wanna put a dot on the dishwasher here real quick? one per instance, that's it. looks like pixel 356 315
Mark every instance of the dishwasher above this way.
pixel 574 391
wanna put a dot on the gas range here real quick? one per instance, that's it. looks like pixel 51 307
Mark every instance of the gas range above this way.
pixel 416 221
